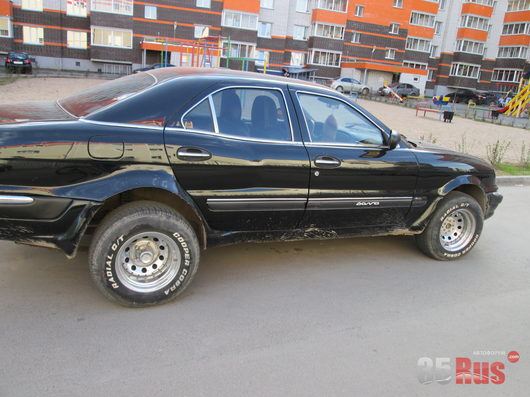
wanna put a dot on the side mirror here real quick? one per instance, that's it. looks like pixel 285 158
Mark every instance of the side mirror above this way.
pixel 394 139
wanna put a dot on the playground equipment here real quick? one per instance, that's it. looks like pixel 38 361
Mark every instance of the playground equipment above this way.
pixel 520 102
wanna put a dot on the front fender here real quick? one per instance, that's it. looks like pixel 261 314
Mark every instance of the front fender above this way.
pixel 461 182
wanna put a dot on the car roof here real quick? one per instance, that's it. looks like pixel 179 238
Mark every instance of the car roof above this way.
pixel 171 73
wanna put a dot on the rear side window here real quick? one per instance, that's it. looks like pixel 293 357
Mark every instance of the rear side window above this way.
pixel 199 118
pixel 97 98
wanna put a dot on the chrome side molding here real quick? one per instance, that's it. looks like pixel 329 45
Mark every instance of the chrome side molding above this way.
pixel 16 200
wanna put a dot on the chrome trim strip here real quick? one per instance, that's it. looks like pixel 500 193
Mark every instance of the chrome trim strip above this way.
pixel 196 155
pixel 350 203
pixel 16 200
pixel 257 205
pixel 214 116
pixel 110 123
pixel 239 138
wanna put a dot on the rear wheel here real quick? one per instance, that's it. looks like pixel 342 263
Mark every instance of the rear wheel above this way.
pixel 340 89
pixel 454 228
pixel 142 254
pixel 365 91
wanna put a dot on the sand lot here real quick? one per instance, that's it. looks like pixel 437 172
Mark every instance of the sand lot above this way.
pixel 462 134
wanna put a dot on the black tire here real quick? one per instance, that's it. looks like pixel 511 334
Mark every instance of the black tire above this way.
pixel 142 254
pixel 340 89
pixel 457 222
pixel 365 91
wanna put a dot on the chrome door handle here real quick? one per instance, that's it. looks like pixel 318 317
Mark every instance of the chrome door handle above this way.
pixel 193 154
pixel 327 162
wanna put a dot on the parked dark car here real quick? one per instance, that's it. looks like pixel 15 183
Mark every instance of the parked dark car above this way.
pixel 154 167
pixel 18 61
pixel 402 89
pixel 155 66
pixel 467 96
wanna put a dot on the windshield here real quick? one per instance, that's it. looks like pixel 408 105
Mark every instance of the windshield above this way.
pixel 97 98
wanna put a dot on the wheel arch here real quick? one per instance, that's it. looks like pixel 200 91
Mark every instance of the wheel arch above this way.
pixel 183 205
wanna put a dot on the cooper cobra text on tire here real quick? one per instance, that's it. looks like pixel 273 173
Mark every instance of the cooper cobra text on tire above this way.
pixel 454 228
pixel 143 253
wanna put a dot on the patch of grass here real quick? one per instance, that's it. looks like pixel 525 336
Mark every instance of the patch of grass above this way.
pixel 514 169
pixel 8 80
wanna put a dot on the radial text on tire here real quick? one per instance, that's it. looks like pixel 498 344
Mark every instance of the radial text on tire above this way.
pixel 143 253
pixel 454 228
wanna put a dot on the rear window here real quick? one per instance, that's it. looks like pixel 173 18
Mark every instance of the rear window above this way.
pixel 18 55
pixel 97 98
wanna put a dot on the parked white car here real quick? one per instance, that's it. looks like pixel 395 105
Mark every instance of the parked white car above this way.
pixel 346 84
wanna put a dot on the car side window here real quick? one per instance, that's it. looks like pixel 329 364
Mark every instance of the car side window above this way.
pixel 252 113
pixel 199 118
pixel 331 121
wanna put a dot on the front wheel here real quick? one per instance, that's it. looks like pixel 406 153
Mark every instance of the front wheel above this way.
pixel 365 91
pixel 454 228
pixel 340 89
pixel 142 254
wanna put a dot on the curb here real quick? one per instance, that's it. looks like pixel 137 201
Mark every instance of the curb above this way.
pixel 513 180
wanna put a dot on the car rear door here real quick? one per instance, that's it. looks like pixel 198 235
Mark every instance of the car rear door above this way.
pixel 356 181
pixel 239 155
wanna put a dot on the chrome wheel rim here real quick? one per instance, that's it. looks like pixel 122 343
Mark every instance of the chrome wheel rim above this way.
pixel 457 230
pixel 147 262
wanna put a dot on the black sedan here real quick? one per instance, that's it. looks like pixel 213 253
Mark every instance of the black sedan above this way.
pixel 156 166
pixel 18 61
pixel 466 96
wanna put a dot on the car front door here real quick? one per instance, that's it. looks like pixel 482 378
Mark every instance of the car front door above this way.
pixel 356 180
pixel 240 157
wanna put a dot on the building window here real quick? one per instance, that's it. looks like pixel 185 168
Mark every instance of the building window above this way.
pixel 465 70
pixel 394 28
pixel 516 28
pixel 328 31
pixel 77 8
pixel 421 19
pixel 359 11
pixel 266 4
pixel 417 44
pixel 299 32
pixel 302 5
pixel 5 27
pixel 241 20
pixel 489 3
pixel 390 53
pixel 332 5
pixel 238 50
pixel 199 31
pixel 264 29
pixel 414 65
pixel 262 56
pixel 512 52
pixel 35 5
pixel 203 3
pixel 507 75
pixel 356 37
pixel 438 27
pixel 474 22
pixel 434 50
pixel 471 47
pixel 108 37
pixel 150 12
pixel 518 5
pixel 76 39
pixel 33 35
pixel 398 3
pixel 113 6
pixel 325 58
pixel 430 75
pixel 297 58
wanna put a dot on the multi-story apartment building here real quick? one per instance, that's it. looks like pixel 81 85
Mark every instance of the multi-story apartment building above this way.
pixel 436 45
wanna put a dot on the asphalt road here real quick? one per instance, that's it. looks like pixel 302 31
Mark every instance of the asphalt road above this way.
pixel 323 318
